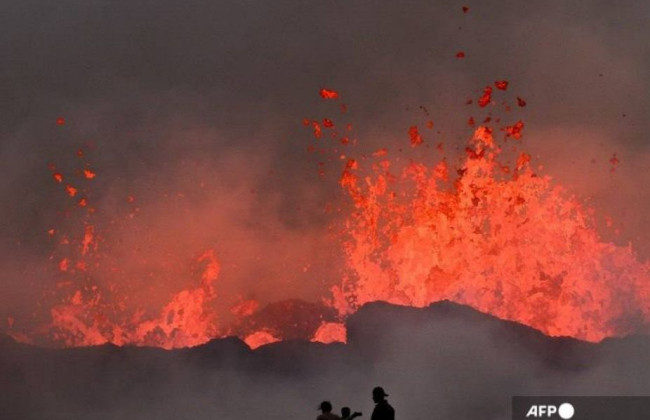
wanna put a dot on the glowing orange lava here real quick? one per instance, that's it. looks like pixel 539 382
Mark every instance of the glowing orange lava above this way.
pixel 414 134
pixel 89 318
pixel 485 99
pixel 501 84
pixel 328 94
pixel 72 191
pixel 489 232
pixel 511 244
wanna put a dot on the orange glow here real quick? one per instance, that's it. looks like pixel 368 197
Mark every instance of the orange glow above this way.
pixel 523 160
pixel 89 174
pixel 88 242
pixel 416 139
pixel 515 130
pixel 186 320
pixel 484 230
pixel 486 98
pixel 63 264
pixel 504 244
pixel 245 308
pixel 57 177
pixel 72 191
pixel 328 94
pixel 260 338
pixel 348 178
pixel 501 84
pixel 317 129
pixel 380 152
pixel 330 332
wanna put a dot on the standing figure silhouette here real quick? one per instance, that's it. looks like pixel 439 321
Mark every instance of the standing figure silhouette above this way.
pixel 383 410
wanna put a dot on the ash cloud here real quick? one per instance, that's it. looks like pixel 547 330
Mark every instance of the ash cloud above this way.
pixel 168 95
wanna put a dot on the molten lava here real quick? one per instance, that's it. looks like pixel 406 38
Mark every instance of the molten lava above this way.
pixel 328 94
pixel 89 317
pixel 509 243
pixel 496 236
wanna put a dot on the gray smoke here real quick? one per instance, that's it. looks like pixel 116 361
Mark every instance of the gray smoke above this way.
pixel 444 362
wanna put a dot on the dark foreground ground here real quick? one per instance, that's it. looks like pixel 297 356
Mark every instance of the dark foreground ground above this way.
pixel 442 362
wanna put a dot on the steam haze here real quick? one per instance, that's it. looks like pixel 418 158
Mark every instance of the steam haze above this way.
pixel 445 361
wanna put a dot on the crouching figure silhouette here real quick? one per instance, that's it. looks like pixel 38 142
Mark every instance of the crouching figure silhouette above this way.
pixel 347 415
pixel 326 408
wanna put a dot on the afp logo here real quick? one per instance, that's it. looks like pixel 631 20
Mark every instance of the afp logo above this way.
pixel 539 411
pixel 567 407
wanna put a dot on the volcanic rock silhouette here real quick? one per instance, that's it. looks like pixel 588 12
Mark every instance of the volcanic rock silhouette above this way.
pixel 443 361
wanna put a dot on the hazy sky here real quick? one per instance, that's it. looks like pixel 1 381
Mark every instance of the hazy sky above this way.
pixel 205 99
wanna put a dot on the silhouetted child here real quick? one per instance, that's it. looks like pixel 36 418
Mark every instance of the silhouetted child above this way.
pixel 345 414
pixel 326 408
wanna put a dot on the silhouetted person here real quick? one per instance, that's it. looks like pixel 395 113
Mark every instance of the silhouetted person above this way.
pixel 345 414
pixel 383 410
pixel 326 408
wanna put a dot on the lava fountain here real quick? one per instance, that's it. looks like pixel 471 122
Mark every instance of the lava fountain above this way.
pixel 499 238
pixel 496 236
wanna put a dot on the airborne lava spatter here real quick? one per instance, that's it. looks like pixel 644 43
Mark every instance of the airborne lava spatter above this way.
pixel 496 236
pixel 507 242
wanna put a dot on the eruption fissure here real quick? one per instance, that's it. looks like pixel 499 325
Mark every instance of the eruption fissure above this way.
pixel 505 241
pixel 498 237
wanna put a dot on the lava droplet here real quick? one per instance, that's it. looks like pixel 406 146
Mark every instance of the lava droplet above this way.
pixel 485 99
pixel 328 94
pixel 501 84
pixel 416 139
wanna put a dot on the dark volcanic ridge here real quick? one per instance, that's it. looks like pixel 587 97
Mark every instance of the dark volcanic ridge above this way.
pixel 435 356
pixel 366 330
